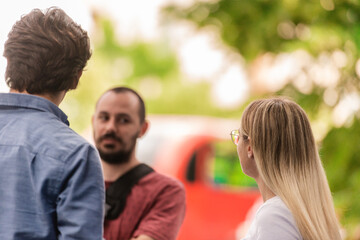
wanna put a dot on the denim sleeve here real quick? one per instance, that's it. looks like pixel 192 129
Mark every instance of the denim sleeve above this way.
pixel 81 200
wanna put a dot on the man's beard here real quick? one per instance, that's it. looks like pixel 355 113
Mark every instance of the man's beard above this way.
pixel 121 156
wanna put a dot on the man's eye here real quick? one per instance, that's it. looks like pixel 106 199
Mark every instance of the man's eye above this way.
pixel 103 118
pixel 123 120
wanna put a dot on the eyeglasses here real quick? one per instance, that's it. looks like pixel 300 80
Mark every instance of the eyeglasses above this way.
pixel 235 136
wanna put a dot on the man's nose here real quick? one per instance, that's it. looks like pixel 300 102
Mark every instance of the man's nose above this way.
pixel 110 126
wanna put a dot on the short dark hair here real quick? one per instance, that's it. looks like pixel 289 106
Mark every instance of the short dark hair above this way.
pixel 45 52
pixel 126 89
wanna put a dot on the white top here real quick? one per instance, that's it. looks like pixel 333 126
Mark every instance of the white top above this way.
pixel 273 220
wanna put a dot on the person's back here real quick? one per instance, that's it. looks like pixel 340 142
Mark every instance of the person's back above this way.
pixel 276 147
pixel 36 165
pixel 50 178
pixel 273 220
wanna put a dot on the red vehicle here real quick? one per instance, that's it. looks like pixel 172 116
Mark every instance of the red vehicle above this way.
pixel 198 151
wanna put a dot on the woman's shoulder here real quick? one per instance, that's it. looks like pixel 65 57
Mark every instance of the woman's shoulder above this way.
pixel 275 218
pixel 274 208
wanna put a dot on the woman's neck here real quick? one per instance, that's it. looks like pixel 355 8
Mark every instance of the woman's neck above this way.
pixel 265 191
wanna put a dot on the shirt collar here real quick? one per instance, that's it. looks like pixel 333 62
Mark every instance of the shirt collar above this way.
pixel 33 102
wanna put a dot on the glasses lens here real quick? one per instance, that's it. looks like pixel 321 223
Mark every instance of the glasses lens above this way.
pixel 235 136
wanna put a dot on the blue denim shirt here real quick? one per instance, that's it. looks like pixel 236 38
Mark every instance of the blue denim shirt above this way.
pixel 51 183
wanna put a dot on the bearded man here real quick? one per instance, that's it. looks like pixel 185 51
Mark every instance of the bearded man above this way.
pixel 141 204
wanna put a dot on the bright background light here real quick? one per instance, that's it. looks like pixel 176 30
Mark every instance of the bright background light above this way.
pixel 200 54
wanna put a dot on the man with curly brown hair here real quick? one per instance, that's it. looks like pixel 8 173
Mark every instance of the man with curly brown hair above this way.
pixel 51 181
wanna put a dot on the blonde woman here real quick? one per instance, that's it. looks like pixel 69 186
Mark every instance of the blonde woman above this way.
pixel 276 147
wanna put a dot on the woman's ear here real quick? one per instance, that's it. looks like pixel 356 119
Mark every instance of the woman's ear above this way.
pixel 249 149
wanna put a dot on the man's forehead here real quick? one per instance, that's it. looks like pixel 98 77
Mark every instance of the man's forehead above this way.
pixel 112 101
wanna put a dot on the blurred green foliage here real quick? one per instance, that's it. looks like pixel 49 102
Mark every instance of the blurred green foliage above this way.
pixel 140 65
pixel 341 153
pixel 252 27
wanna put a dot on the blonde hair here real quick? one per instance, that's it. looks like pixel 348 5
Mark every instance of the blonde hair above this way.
pixel 289 163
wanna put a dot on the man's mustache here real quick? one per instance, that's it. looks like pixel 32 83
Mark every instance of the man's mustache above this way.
pixel 111 136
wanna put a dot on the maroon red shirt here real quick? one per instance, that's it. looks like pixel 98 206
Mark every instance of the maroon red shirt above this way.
pixel 155 207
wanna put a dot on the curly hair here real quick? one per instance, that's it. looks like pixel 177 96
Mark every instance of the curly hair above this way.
pixel 45 52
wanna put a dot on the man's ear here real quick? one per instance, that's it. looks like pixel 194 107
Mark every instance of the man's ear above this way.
pixel 144 128
pixel 77 80
pixel 80 73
